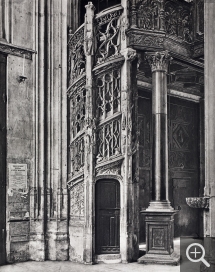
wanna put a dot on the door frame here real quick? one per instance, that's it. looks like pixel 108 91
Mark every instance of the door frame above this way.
pixel 122 220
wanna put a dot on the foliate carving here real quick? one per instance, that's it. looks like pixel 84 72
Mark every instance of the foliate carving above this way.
pixel 108 140
pixel 77 155
pixel 108 94
pixel 77 200
pixel 146 40
pixel 107 33
pixel 129 54
pixel 111 168
pixel 110 171
pixel 77 111
pixel 158 61
pixel 76 59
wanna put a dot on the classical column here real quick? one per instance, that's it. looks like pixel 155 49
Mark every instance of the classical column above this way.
pixel 159 215
pixel 159 63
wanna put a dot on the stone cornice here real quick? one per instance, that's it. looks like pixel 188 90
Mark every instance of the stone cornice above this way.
pixel 15 50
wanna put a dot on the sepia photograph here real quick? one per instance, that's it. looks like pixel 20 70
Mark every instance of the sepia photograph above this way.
pixel 107 135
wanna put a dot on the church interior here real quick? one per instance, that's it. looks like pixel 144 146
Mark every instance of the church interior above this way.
pixel 107 131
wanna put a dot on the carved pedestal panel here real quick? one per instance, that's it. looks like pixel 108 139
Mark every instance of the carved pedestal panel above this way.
pixel 159 238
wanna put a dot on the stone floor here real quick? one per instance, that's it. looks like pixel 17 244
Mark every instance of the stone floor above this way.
pixel 51 266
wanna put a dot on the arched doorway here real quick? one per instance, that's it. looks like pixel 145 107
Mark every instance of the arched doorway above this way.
pixel 107 232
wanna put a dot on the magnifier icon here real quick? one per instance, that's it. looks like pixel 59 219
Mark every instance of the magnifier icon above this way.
pixel 196 252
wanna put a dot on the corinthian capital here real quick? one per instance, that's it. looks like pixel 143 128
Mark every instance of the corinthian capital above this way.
pixel 158 61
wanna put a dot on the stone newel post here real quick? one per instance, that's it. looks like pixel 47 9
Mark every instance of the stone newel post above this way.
pixel 159 215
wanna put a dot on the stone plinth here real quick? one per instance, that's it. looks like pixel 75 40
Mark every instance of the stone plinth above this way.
pixel 159 238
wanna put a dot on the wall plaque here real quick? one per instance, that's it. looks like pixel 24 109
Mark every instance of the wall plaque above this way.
pixel 17 176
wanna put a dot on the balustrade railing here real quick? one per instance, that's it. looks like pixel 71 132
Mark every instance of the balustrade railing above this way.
pixel 76 56
pixel 107 24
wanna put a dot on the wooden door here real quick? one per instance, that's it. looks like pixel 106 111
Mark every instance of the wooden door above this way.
pixel 2 159
pixel 107 217
pixel 184 166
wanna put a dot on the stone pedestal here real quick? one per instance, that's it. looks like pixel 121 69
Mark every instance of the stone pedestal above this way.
pixel 159 238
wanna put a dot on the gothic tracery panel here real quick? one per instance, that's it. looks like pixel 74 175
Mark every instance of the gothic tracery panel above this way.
pixel 107 33
pixel 76 59
pixel 77 155
pixel 108 94
pixel 77 111
pixel 108 140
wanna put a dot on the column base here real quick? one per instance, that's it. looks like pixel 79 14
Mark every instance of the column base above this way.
pixel 162 206
pixel 172 259
pixel 159 225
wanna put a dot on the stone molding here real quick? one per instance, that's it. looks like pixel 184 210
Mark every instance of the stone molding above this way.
pixel 15 50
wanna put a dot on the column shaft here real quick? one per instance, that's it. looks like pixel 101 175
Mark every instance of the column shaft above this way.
pixel 160 136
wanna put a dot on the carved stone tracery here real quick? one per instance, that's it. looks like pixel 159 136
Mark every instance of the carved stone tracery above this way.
pixel 108 140
pixel 108 95
pixel 76 59
pixel 107 33
pixel 77 153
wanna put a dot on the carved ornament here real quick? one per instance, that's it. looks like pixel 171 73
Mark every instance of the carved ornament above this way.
pixel 146 40
pixel 110 168
pixel 129 54
pixel 158 61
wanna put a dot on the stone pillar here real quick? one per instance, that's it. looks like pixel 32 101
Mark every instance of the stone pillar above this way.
pixel 56 131
pixel 159 215
pixel 89 136
pixel 37 234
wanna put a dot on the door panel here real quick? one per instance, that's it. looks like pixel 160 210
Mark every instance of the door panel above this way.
pixel 107 217
pixel 2 159
pixel 184 163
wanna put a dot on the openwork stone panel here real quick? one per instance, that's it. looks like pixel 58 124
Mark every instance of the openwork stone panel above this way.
pixel 77 155
pixel 77 111
pixel 108 140
pixel 107 33
pixel 108 94
pixel 77 200
pixel 76 58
